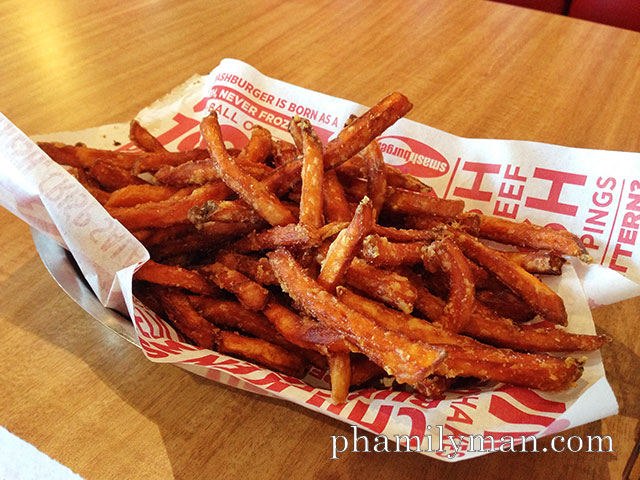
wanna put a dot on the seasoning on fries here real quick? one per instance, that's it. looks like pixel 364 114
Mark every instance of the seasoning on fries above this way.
pixel 261 253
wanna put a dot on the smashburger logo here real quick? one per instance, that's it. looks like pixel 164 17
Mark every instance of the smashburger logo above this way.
pixel 413 157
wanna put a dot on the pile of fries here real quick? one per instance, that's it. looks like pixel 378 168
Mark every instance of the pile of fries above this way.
pixel 300 254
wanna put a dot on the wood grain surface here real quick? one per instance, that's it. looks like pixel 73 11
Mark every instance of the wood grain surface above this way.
pixel 90 400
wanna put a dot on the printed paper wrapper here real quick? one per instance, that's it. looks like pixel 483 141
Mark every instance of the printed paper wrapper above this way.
pixel 593 193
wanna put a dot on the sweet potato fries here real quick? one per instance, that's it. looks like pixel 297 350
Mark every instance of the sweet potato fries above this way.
pixel 298 254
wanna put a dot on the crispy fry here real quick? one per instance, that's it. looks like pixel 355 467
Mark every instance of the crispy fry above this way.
pixel 506 304
pixel 331 229
pixel 467 357
pixel 340 371
pixel 408 361
pixel 200 172
pixel 388 287
pixel 379 251
pixel 359 133
pixel 356 167
pixel 376 176
pixel 292 235
pixel 224 211
pixel 502 332
pixel 258 269
pixel 157 236
pixel 416 203
pixel 304 332
pixel 227 230
pixel 283 152
pixel 538 296
pixel 312 171
pixel 111 177
pixel 183 316
pixel 230 314
pixel 132 195
pixel 167 212
pixel 532 236
pixel 200 241
pixel 259 147
pixel 248 188
pixel 336 208
pixel 175 277
pixel 143 139
pixel 251 295
pixel 263 353
pixel 547 263
pixel 283 178
pixel 403 235
pixel 345 246
pixel 461 288
pixel 84 157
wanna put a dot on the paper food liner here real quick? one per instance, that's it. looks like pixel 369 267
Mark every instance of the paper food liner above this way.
pixel 593 193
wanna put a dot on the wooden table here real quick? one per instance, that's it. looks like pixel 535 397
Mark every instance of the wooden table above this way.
pixel 479 69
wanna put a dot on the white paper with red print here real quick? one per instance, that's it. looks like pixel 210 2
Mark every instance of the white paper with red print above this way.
pixel 593 193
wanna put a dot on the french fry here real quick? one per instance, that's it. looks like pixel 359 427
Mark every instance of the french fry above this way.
pixel 259 147
pixel 383 285
pixel 506 304
pixel 283 152
pixel 361 132
pixel 532 236
pixel 547 263
pixel 345 246
pixel 340 372
pixel 223 211
pixel 167 212
pixel 232 315
pixel 226 230
pixel 311 212
pixel 379 251
pixel 133 195
pixel 341 252
pixel 336 208
pixel 305 332
pixel 157 236
pixel 416 203
pixel 251 295
pixel 467 357
pixel 355 167
pixel 204 334
pixel 258 269
pixel 452 261
pixel 172 276
pixel 262 352
pixel 143 139
pixel 376 176
pixel 111 177
pixel 408 361
pixel 403 235
pixel 182 315
pixel 292 235
pixel 248 188
pixel 490 328
pixel 84 157
pixel 536 294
